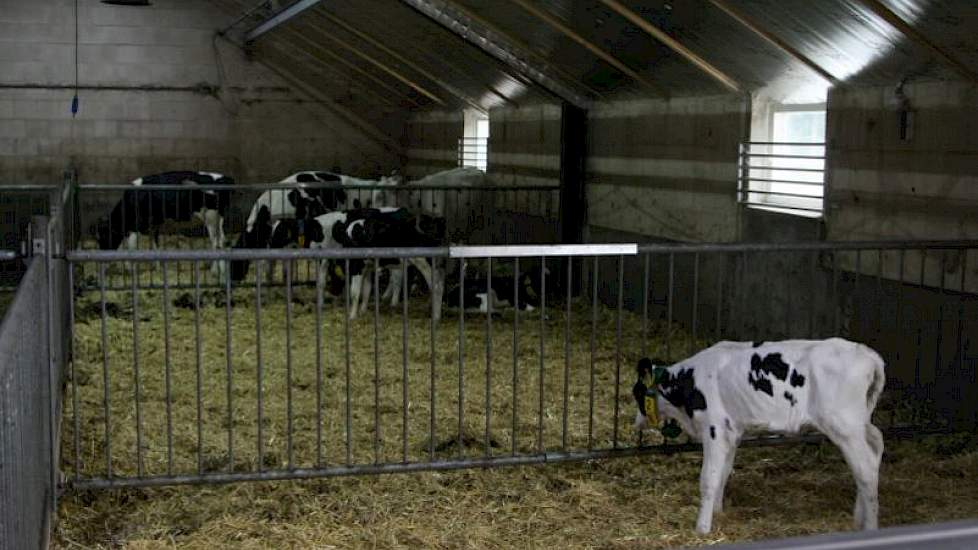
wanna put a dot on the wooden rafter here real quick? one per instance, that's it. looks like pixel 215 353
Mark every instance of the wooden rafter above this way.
pixel 590 46
pixel 673 44
pixel 540 57
pixel 462 96
pixel 917 37
pixel 773 39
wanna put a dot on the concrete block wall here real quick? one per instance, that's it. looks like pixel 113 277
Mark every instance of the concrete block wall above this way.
pixel 146 106
pixel 431 142
pixel 882 187
pixel 666 169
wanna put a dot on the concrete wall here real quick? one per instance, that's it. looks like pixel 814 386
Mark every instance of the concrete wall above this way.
pixel 257 128
pixel 431 142
pixel 666 169
pixel 925 187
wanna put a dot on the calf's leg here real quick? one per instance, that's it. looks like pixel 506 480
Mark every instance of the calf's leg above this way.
pixel 714 461
pixel 853 440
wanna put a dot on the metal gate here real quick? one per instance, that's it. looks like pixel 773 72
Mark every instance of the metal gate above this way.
pixel 251 382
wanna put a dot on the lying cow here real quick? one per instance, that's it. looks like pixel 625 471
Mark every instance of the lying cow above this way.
pixel 146 211
pixel 499 291
pixel 733 388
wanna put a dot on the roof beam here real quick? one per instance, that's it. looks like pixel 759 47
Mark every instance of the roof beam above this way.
pixel 774 40
pixel 674 45
pixel 494 45
pixel 590 46
pixel 910 32
pixel 540 57
pixel 462 96
pixel 279 18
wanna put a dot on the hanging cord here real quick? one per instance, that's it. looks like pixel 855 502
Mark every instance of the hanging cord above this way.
pixel 74 100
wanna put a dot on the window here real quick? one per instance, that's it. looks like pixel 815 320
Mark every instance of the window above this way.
pixel 473 147
pixel 786 171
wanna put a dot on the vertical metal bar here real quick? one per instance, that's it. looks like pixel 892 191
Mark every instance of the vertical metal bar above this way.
pixel 167 369
pixel 105 373
pixel 879 295
pixel 543 330
pixel 594 329
pixel 135 370
pixel 567 351
pixel 900 296
pixel 837 305
pixel 696 303
pixel 200 370
pixel 404 361
pixel 289 442
pixel 260 369
pixel 621 307
pixel 811 285
pixel 669 304
pixel 76 421
pixel 346 329
pixel 376 275
pixel 319 363
pixel 920 322
pixel 461 355
pixel 645 305
pixel 489 295
pixel 229 370
pixel 939 367
pixel 431 381
pixel 959 375
pixel 857 318
pixel 721 275
pixel 516 348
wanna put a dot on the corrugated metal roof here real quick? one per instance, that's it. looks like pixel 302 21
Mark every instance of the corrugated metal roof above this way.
pixel 846 38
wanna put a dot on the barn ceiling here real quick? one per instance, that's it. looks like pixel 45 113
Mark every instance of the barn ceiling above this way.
pixel 380 56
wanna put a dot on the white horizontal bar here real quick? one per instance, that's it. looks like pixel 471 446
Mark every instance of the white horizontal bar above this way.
pixel 523 251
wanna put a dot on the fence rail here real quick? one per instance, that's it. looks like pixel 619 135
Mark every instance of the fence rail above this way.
pixel 280 384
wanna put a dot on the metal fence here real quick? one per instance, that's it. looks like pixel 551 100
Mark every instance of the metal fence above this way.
pixel 32 359
pixel 474 215
pixel 250 382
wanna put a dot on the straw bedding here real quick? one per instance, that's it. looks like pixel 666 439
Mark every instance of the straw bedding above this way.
pixel 638 502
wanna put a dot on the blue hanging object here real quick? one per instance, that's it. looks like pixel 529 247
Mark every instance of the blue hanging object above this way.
pixel 74 105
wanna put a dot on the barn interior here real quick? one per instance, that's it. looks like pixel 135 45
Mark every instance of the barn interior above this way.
pixel 788 169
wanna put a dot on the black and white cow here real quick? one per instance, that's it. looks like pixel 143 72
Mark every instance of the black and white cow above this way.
pixel 303 231
pixel 733 388
pixel 500 291
pixel 146 211
pixel 284 203
pixel 384 228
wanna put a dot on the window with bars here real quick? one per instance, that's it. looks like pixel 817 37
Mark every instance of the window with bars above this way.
pixel 473 147
pixel 787 173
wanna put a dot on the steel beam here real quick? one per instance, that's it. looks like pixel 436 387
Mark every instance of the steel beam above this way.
pixel 554 22
pixel 673 44
pixel 773 39
pixel 279 18
pixel 495 46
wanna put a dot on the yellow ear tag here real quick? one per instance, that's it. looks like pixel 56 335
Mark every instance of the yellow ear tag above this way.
pixel 652 410
pixel 302 241
pixel 338 271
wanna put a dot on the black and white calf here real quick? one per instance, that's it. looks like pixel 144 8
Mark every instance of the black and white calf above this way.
pixel 500 291
pixel 384 228
pixel 733 388
pixel 147 211
pixel 287 203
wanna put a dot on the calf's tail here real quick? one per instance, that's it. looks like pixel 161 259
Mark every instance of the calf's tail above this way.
pixel 877 383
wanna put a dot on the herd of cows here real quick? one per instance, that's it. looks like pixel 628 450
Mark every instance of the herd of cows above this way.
pixel 309 213
pixel 717 396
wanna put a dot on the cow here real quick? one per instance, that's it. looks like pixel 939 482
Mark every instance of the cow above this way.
pixel 500 291
pixel 382 228
pixel 733 388
pixel 303 231
pixel 147 211
pixel 282 203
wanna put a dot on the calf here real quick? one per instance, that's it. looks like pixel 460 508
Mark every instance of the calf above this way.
pixel 383 228
pixel 142 211
pixel 287 203
pixel 733 388
pixel 499 291
pixel 302 232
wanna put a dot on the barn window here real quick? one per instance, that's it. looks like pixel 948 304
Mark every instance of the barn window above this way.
pixel 473 147
pixel 786 171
